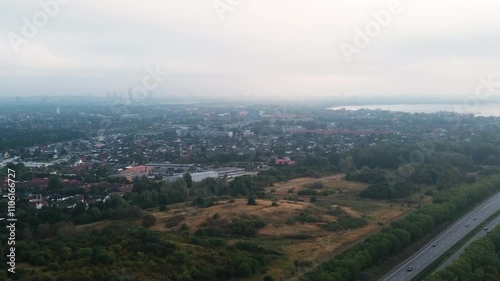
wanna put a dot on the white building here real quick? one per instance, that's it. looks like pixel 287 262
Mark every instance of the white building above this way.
pixel 196 177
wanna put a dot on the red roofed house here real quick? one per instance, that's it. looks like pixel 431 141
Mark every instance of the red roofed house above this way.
pixel 284 161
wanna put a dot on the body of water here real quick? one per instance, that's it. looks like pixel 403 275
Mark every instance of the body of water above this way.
pixel 479 110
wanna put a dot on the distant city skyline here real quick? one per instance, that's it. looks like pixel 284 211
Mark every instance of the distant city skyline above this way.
pixel 253 50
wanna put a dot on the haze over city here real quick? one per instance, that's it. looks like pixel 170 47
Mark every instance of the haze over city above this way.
pixel 251 49
pixel 249 140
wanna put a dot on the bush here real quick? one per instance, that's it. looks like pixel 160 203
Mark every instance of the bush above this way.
pixel 39 260
pixel 163 208
pixel 246 226
pixel 307 192
pixel 324 193
pixel 381 191
pixel 337 211
pixel 148 221
pixel 184 227
pixel 248 247
pixel 47 277
pixel 53 266
pixel 313 199
pixel 209 231
pixel 84 253
pixel 315 185
pixel 308 216
pixel 268 278
pixel 204 202
pixel 104 257
pixel 244 270
pixel 345 222
pixel 251 201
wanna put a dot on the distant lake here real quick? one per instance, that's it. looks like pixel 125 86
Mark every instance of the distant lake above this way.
pixel 480 110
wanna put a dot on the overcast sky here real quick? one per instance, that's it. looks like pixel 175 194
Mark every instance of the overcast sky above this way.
pixel 258 48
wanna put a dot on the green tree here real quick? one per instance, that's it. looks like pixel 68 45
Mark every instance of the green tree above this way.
pixel 103 256
pixel 244 270
pixel 148 221
pixel 55 184
pixel 251 201
pixel 188 179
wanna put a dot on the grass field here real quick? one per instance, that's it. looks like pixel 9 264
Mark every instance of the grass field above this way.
pixel 295 227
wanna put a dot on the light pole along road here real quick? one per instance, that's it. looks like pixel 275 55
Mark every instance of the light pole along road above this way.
pixel 419 261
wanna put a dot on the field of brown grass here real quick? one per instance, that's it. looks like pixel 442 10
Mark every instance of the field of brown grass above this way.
pixel 301 241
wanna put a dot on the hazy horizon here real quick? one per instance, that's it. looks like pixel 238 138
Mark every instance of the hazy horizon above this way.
pixel 283 50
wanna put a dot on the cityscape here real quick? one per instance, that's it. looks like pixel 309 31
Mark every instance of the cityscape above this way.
pixel 233 140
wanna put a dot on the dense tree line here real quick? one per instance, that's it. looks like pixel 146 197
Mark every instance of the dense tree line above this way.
pixel 448 204
pixel 132 253
pixel 462 156
pixel 151 194
pixel 51 220
pixel 19 138
pixel 391 175
pixel 384 190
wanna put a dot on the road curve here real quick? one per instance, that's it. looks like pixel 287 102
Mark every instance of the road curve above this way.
pixel 443 242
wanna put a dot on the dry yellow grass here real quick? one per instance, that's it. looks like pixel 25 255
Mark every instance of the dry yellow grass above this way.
pixel 336 182
pixel 320 245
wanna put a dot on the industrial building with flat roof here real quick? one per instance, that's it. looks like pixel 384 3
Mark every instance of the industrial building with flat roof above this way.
pixel 196 177
pixel 230 172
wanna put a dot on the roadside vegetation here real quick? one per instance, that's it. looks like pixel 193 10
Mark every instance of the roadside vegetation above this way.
pixel 480 261
pixel 447 205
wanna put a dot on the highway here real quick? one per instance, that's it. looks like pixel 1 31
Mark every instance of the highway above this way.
pixel 443 242
pixel 491 225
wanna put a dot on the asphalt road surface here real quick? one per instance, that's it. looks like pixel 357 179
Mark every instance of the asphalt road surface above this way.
pixel 443 242
pixel 491 225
